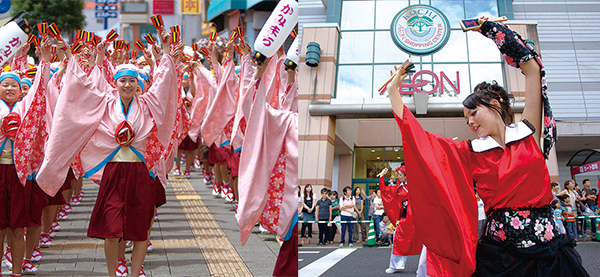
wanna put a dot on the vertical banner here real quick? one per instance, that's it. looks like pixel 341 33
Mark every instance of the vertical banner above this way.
pixel 190 6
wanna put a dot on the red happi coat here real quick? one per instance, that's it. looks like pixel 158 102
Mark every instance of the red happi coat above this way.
pixel 397 207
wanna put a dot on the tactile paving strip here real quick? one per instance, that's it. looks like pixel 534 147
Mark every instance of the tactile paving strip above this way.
pixel 221 257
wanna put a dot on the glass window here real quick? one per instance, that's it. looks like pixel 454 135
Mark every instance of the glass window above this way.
pixel 386 10
pixel 486 72
pixel 354 81
pixel 477 8
pixel 358 15
pixel 461 82
pixel 482 49
pixel 382 74
pixel 453 9
pixel 356 47
pixel 455 50
pixel 386 50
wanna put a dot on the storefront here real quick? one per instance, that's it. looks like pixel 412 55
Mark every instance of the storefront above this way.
pixel 347 133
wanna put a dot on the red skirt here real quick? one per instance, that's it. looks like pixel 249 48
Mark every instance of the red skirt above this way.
pixel 233 163
pixel 19 205
pixel 287 259
pixel 58 199
pixel 161 197
pixel 125 203
pixel 218 155
pixel 188 144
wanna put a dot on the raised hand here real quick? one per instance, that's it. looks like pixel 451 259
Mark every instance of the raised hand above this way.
pixel 383 172
pixel 45 53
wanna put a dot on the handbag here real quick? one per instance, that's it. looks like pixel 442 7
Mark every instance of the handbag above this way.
pixel 587 211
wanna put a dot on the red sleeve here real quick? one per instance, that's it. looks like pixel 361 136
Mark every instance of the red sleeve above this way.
pixel 391 204
pixel 441 194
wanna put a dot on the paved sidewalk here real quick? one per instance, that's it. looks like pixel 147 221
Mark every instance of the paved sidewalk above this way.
pixel 196 235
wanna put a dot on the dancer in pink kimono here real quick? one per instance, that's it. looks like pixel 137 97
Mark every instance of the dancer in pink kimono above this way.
pixel 121 134
pixel 21 137
pixel 218 122
pixel 268 188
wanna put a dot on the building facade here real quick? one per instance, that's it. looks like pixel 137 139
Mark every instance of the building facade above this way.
pixel 346 130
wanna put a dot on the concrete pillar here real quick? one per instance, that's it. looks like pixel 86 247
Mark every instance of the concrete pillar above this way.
pixel 316 134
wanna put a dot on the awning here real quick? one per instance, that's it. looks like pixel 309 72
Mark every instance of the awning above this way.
pixel 218 7
pixel 584 156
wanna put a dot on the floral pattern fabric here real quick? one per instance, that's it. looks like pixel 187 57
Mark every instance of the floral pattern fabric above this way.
pixel 523 228
pixel 517 50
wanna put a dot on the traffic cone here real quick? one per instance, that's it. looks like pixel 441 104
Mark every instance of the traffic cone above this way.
pixel 597 231
pixel 371 240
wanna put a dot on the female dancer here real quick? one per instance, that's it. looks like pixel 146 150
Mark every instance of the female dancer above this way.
pixel 120 133
pixel 508 165
pixel 406 241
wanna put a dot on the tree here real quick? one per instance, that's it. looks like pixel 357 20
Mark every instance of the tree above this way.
pixel 420 22
pixel 68 14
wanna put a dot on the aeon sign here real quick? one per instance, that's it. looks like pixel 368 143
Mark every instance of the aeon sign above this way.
pixel 420 29
pixel 416 83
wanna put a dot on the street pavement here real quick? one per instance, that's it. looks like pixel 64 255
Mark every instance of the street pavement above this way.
pixel 332 261
pixel 195 235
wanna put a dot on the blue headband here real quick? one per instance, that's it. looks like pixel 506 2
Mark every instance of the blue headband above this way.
pixel 7 75
pixel 141 84
pixel 186 76
pixel 26 81
pixel 145 76
pixel 126 72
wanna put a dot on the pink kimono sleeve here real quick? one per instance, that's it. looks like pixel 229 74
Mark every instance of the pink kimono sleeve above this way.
pixel 31 137
pixel 222 108
pixel 268 188
pixel 78 112
pixel 243 103
pixel 161 99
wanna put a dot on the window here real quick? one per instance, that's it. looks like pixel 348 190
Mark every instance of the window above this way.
pixel 367 53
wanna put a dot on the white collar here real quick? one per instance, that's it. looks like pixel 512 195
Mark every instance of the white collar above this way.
pixel 514 132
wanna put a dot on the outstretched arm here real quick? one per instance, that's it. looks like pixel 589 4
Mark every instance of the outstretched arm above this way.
pixel 533 96
pixel 393 91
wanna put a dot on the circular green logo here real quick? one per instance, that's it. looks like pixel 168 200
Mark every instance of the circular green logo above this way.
pixel 420 29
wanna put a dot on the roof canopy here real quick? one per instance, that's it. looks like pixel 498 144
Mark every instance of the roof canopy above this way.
pixel 584 156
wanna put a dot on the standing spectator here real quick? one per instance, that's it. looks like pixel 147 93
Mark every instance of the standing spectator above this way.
pixel 558 216
pixel 348 214
pixel 578 207
pixel 568 211
pixel 589 199
pixel 323 211
pixel 299 202
pixel 361 228
pixel 308 213
pixel 555 189
pixel 335 214
pixel 379 210
pixel 573 196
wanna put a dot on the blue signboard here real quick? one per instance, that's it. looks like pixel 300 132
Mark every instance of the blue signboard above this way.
pixel 106 14
pixel 4 6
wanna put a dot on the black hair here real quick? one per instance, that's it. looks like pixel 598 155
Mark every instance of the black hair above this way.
pixel 484 93
pixel 555 184
pixel 324 190
pixel 383 215
pixel 554 202
pixel 346 188
pixel 585 180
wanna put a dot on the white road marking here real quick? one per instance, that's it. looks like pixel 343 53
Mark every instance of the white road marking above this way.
pixel 321 265
pixel 309 252
pixel 300 260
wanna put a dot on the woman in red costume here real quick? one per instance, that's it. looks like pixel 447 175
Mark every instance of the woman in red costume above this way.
pixel 507 162
pixel 397 207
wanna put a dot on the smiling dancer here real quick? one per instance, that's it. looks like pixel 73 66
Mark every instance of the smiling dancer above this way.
pixel 117 132
pixel 507 162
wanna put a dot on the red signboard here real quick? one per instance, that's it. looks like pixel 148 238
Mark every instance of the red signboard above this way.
pixel 163 7
pixel 585 168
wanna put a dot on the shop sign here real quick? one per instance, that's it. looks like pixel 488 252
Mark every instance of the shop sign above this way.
pixel 417 82
pixel 585 168
pixel 420 30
